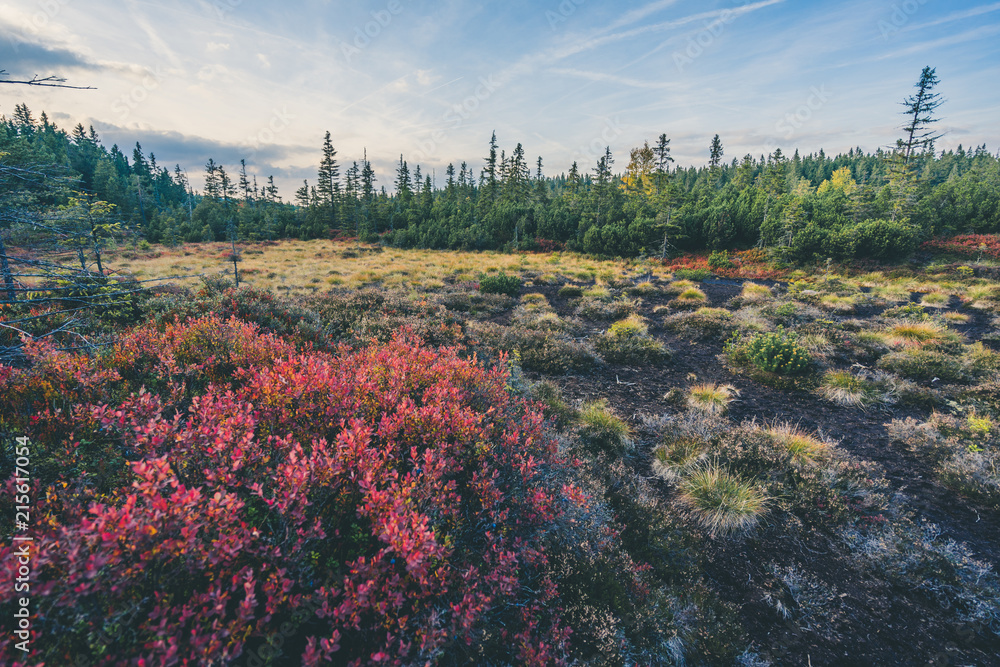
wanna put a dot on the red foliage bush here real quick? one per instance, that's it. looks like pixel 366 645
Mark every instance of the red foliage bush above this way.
pixel 548 245
pixel 385 505
pixel 750 264
pixel 969 245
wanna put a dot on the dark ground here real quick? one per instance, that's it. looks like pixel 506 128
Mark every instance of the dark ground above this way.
pixel 874 624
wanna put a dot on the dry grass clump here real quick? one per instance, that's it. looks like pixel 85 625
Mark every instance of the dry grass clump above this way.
pixel 935 300
pixel 755 293
pixel 955 317
pixel 604 309
pixel 677 456
pixel 703 322
pixel 838 304
pixel 601 430
pixel 892 293
pixel 688 299
pixel 633 325
pixel 800 445
pixel 710 398
pixel 678 286
pixel 917 333
pixel 628 341
pixel 534 301
pixel 571 291
pixel 722 502
pixel 644 288
pixel 861 390
pixel 983 297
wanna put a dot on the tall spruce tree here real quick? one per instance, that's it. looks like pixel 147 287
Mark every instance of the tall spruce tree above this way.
pixel 328 182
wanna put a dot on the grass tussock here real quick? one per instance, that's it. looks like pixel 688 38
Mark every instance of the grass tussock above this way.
pixel 755 293
pixel 600 308
pixel 710 398
pixel 627 341
pixel 601 430
pixel 705 322
pixel 721 502
pixel 677 456
pixel 919 333
pixel 862 390
pixel 800 445
pixel 644 288
pixel 688 299
pixel 935 300
pixel 841 305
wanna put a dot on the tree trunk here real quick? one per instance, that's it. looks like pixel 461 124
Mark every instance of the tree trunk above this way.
pixel 8 278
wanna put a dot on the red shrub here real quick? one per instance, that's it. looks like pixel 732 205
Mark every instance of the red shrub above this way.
pixel 386 505
pixel 969 245
pixel 750 264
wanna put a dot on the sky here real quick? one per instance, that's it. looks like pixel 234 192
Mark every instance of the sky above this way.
pixel 264 81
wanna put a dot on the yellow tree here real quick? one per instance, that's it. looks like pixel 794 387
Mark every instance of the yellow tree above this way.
pixel 840 180
pixel 639 172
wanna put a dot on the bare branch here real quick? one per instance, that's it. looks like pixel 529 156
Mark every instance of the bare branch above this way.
pixel 45 82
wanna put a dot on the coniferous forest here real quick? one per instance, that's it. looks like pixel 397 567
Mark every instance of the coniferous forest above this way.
pixel 862 204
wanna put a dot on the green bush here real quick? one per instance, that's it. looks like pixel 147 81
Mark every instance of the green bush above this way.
pixel 886 239
pixel 719 259
pixel 500 283
pixel 778 353
pixel 692 274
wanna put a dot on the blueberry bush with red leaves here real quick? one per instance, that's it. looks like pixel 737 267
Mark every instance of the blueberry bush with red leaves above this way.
pixel 205 488
pixel 967 245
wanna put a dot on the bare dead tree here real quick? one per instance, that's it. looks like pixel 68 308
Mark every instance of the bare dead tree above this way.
pixel 50 81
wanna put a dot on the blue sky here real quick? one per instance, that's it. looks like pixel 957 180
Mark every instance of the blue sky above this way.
pixel 193 79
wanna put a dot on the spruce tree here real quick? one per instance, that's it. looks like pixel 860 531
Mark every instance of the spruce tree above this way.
pixel 328 184
pixel 919 111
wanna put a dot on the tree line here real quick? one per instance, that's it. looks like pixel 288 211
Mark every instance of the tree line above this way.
pixel 859 204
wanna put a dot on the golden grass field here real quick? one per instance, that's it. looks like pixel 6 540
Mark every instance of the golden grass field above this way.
pixel 309 266
pixel 304 267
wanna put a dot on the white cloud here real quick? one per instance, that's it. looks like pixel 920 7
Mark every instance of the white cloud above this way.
pixel 215 47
